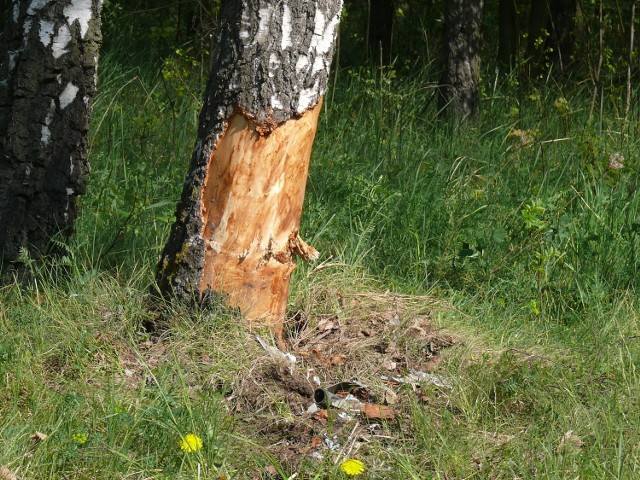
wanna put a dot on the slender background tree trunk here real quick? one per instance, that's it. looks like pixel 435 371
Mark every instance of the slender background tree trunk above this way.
pixel 236 229
pixel 508 35
pixel 458 91
pixel 380 30
pixel 562 19
pixel 48 57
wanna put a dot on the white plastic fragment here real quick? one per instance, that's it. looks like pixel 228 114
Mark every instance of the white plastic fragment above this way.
pixel 330 443
pixel 429 377
pixel 278 354
pixel 344 417
pixel 416 377
pixel 312 377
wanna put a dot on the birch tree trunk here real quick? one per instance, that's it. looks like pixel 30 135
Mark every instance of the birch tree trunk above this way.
pixel 458 91
pixel 48 61
pixel 236 229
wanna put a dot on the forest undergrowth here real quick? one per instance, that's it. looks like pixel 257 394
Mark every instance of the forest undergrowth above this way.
pixel 501 255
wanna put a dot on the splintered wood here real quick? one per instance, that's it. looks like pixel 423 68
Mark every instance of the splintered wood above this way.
pixel 251 208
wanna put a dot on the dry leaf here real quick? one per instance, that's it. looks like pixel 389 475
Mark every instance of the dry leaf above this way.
pixel 570 442
pixel 378 411
pixel 320 356
pixel 392 317
pixel 432 364
pixel 315 442
pixel 321 414
pixel 338 359
pixel 389 364
pixel 39 437
pixel 271 470
pixel 326 324
pixel 390 397
pixel 6 474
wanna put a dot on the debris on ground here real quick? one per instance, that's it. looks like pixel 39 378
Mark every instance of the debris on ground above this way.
pixel 347 378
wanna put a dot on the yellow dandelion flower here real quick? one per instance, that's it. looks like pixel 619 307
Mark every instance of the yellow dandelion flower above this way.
pixel 190 443
pixel 352 467
pixel 80 438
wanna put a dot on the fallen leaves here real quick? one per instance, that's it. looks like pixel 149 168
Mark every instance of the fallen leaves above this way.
pixel 7 474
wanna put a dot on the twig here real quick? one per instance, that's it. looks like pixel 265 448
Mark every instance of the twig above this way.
pixel 628 104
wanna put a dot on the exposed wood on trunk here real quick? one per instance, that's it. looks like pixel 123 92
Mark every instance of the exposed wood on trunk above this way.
pixel 48 62
pixel 251 208
pixel 237 223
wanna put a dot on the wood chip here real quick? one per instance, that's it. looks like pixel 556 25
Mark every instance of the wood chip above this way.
pixel 378 412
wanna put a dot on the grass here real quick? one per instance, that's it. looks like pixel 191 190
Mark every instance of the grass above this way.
pixel 514 219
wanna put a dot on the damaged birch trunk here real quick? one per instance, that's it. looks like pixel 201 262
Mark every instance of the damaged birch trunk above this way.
pixel 237 224
pixel 48 62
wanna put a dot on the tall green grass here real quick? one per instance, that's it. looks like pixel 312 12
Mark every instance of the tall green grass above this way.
pixel 465 206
